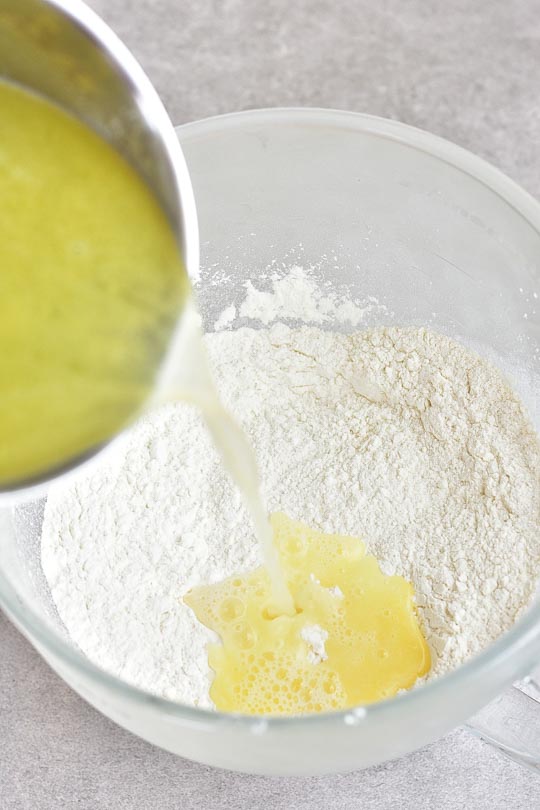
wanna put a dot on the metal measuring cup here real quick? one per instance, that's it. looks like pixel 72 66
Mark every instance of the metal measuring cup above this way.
pixel 66 53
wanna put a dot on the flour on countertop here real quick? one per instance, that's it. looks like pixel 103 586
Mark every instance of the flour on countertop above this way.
pixel 435 466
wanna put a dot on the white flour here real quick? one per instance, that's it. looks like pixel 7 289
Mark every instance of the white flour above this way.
pixel 298 296
pixel 400 436
pixel 315 637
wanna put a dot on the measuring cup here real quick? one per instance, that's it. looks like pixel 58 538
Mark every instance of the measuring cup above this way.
pixel 63 51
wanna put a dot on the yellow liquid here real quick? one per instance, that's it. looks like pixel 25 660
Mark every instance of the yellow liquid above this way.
pixel 91 284
pixel 264 666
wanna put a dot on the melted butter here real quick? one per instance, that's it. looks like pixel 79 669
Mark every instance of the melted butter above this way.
pixel 90 288
pixel 267 664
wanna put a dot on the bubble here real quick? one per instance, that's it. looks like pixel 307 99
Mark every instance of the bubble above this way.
pixel 231 609
pixel 329 687
pixel 295 546
pixel 245 637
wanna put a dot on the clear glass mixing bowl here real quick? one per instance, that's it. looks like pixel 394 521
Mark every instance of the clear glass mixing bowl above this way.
pixel 383 210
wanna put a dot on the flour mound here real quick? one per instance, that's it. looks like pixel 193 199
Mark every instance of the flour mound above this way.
pixel 400 436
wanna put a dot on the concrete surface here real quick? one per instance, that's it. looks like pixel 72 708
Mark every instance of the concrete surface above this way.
pixel 464 69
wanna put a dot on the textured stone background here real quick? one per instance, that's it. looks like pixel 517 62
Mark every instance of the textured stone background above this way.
pixel 465 69
pixel 468 70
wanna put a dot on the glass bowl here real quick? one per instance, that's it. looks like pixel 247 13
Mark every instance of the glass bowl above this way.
pixel 379 209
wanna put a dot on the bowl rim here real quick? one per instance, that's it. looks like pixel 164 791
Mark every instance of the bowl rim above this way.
pixel 522 640
pixel 456 156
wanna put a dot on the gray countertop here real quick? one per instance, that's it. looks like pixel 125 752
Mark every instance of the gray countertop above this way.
pixel 465 69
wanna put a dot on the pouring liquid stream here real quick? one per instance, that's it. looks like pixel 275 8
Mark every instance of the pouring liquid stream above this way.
pixel 186 377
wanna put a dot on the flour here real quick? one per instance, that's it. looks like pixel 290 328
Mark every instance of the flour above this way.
pixel 297 296
pixel 226 318
pixel 315 638
pixel 399 436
